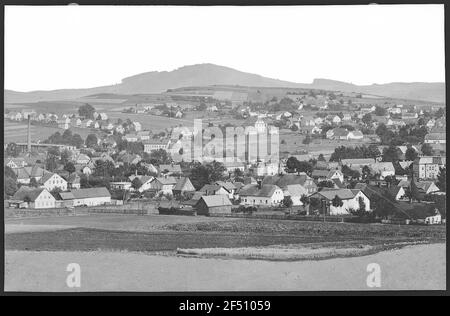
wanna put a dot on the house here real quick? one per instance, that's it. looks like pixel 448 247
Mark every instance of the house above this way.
pixel 365 108
pixel 261 195
pixel 421 213
pixel 25 174
pixel 427 187
pixel 384 169
pixel 231 166
pixel 427 167
pixel 73 181
pixel 15 163
pixel 96 125
pixel 295 191
pixel 169 170
pixel 130 159
pixel 355 135
pixel 152 145
pixel 397 192
pixel 266 169
pixel 120 185
pixel 146 183
pixel 347 117
pixel 151 168
pixel 64 124
pixel 163 185
pixel 91 196
pixel 284 180
pixel 131 137
pixel 337 133
pixel 120 129
pixel 143 135
pixel 214 189
pixel 179 114
pixel 103 116
pixel 212 108
pixel 335 119
pixel 435 138
pixel 350 200
pixel 324 175
pixel 184 185
pixel 357 163
pixel 407 115
pixel 213 204
pixel 52 181
pixel 35 198
pixel 82 159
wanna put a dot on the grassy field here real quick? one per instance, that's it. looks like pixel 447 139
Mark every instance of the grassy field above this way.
pixel 17 132
pixel 158 233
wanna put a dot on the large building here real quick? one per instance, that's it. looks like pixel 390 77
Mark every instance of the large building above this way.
pixel 428 167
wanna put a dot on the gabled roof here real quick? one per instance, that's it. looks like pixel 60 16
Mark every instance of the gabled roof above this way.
pixel 171 168
pixel 24 191
pixel 90 193
pixel 66 196
pixel 184 184
pixel 166 181
pixel 343 194
pixel 283 180
pixel 216 200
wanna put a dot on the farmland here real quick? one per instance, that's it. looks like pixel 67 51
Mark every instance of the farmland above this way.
pixel 156 233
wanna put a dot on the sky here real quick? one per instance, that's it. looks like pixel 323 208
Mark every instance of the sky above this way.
pixel 75 46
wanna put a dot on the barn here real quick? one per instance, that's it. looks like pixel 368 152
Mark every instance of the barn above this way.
pixel 213 204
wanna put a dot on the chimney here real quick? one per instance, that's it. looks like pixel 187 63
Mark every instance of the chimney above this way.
pixel 29 135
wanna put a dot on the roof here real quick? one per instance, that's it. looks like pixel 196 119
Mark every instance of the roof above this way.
pixel 168 180
pixel 415 210
pixel 229 186
pixel 382 166
pixel 184 183
pixel 25 191
pixel 430 160
pixel 358 161
pixel 283 180
pixel 171 168
pixel 216 200
pixel 435 136
pixel 295 190
pixel 90 193
pixel 320 173
pixel 267 190
pixel 343 194
pixel 66 196
pixel 425 185
pixel 46 177
pixel 338 131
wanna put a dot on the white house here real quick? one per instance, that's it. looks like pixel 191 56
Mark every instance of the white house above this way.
pixel 349 197
pixel 295 191
pixel 137 126
pixel 51 181
pixel 36 197
pixel 384 169
pixel 355 135
pixel 163 185
pixel 91 196
pixel 266 195
pixel 427 167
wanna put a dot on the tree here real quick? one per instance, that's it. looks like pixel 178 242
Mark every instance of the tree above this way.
pixel 51 163
pixel 367 119
pixel 383 206
pixel 390 154
pixel 380 111
pixel 91 140
pixel 136 183
pixel 362 204
pixel 12 150
pixel 366 172
pixel 325 184
pixel 33 183
pixel 76 141
pixel 9 173
pixel 69 167
pixel 287 201
pixel 294 128
pixel 87 111
pixel 337 202
pixel 427 150
pixel 442 179
pixel 411 154
pixel 10 186
pixel 321 158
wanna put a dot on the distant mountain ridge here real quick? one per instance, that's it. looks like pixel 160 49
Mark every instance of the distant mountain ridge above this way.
pixel 210 74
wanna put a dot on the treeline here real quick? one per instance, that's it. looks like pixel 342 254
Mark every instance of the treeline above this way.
pixel 66 138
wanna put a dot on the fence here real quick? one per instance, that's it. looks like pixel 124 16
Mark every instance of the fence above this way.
pixel 336 219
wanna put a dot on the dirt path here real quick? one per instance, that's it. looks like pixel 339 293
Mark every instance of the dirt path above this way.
pixel 420 267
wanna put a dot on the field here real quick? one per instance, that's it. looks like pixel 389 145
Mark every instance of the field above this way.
pixel 17 132
pixel 158 232
pixel 139 253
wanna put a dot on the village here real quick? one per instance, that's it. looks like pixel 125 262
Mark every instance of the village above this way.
pixel 350 162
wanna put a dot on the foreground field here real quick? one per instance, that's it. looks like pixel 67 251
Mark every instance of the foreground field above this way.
pixel 411 268
pixel 167 233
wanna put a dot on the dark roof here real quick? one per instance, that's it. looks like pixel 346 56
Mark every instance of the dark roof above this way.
pixel 216 200
pixel 90 193
pixel 184 184
pixel 25 191
pixel 284 180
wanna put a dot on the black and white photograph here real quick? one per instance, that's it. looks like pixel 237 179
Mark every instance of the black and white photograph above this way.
pixel 224 148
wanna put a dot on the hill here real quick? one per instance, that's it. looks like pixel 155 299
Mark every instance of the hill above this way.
pixel 209 74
